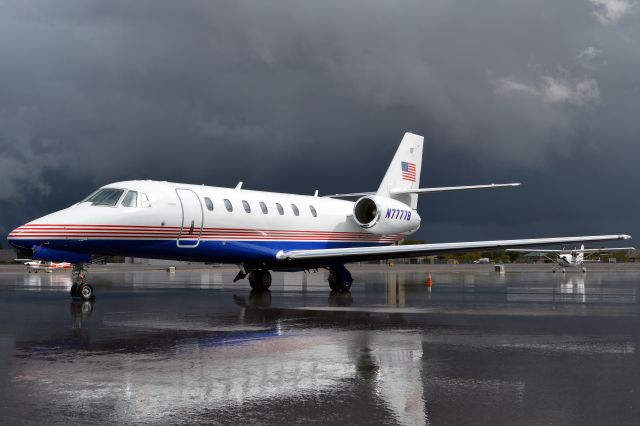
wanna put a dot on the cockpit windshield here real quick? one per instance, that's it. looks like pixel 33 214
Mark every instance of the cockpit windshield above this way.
pixel 104 197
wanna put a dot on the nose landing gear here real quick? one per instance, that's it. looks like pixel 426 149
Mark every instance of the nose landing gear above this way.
pixel 80 289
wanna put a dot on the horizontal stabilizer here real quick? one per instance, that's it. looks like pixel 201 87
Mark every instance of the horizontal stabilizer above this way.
pixel 351 194
pixel 402 191
pixel 397 191
pixel 356 254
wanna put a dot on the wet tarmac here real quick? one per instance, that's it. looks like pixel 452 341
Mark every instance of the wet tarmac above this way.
pixel 192 347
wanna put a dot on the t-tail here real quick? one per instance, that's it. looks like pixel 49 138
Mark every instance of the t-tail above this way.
pixel 404 171
pixel 401 182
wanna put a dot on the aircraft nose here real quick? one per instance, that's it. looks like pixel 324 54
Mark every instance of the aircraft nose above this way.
pixel 15 238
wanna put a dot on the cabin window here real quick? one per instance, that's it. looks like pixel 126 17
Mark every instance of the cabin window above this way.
pixel 105 197
pixel 280 209
pixel 295 210
pixel 144 200
pixel 247 207
pixel 131 199
pixel 228 205
pixel 208 203
pixel 314 213
pixel 263 207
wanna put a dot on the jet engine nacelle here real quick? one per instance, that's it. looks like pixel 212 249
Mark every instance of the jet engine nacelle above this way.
pixel 381 215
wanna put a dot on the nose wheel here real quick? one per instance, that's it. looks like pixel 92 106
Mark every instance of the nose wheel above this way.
pixel 80 289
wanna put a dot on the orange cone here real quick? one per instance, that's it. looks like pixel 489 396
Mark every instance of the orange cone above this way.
pixel 429 280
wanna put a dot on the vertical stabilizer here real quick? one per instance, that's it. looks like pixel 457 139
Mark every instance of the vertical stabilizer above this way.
pixel 404 170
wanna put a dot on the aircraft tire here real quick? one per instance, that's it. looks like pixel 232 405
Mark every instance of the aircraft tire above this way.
pixel 260 280
pixel 345 286
pixel 85 292
pixel 333 280
pixel 266 280
pixel 336 284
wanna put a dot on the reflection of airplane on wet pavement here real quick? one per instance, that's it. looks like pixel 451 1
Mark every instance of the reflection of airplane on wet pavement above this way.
pixel 42 265
pixel 258 231
pixel 575 258
pixel 208 359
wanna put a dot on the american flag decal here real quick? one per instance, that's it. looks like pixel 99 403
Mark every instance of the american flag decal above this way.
pixel 408 171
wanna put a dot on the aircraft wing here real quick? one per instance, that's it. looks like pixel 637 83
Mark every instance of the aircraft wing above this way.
pixel 356 254
pixel 602 250
pixel 599 250
pixel 526 250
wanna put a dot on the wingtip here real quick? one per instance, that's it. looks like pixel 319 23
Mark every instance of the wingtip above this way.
pixel 625 237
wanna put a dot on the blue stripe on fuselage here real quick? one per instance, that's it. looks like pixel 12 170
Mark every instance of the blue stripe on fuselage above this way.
pixel 206 251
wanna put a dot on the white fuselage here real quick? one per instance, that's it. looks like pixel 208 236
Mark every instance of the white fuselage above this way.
pixel 197 222
pixel 570 259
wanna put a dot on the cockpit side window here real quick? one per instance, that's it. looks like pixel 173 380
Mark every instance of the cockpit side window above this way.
pixel 131 199
pixel 104 197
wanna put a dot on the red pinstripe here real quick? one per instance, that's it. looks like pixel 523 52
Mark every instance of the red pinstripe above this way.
pixel 163 232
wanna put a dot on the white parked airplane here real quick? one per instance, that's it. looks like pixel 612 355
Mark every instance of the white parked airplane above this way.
pixel 42 265
pixel 575 258
pixel 258 231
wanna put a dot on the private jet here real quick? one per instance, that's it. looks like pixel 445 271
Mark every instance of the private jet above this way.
pixel 574 258
pixel 258 231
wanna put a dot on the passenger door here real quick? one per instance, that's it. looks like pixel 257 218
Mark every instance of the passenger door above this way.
pixel 192 218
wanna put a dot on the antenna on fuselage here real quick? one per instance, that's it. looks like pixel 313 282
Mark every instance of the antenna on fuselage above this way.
pixel 239 185
pixel 315 194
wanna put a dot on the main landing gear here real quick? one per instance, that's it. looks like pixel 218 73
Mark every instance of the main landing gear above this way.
pixel 80 289
pixel 340 278
pixel 260 279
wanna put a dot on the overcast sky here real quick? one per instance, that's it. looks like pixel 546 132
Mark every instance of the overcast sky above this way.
pixel 293 96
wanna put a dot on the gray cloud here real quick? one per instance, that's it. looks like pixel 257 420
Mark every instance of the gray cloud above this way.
pixel 608 12
pixel 552 89
pixel 294 96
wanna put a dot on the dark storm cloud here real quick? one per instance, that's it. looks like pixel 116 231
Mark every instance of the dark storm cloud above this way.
pixel 294 96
